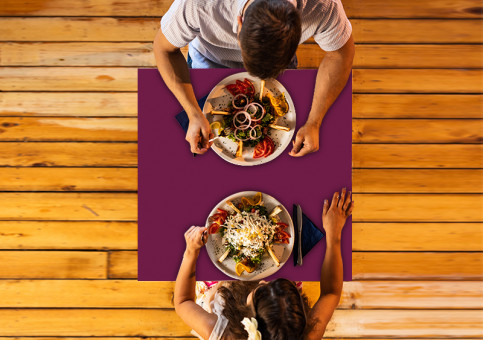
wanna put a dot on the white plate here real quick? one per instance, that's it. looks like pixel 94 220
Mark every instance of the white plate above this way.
pixel 219 98
pixel 267 267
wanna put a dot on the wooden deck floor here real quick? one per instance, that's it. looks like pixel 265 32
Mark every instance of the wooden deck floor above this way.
pixel 68 177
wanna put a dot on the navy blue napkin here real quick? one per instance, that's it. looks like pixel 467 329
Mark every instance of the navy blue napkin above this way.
pixel 311 235
pixel 182 117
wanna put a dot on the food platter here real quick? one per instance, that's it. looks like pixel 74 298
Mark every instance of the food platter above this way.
pixel 267 266
pixel 220 98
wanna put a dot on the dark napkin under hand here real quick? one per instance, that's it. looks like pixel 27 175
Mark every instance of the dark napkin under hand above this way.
pixel 182 117
pixel 311 235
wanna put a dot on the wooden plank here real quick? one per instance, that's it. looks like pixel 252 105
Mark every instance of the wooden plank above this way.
pixel 417 181
pixel 365 265
pixel 135 294
pixel 68 129
pixel 68 206
pixel 417 106
pixel 68 154
pixel 413 31
pixel 122 207
pixel 67 235
pixel 417 156
pixel 418 208
pixel 67 79
pixel 52 265
pixel 68 179
pixel 125 104
pixel 123 265
pixel 417 81
pixel 309 55
pixel 125 79
pixel 149 322
pixel 125 179
pixel 397 56
pixel 68 104
pixel 423 131
pixel 353 8
pixel 416 266
pixel 144 29
pixel 430 237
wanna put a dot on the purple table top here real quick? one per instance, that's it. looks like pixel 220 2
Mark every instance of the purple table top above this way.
pixel 177 190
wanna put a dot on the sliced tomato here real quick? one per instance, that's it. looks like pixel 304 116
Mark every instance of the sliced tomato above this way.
pixel 233 89
pixel 270 146
pixel 222 212
pixel 251 88
pixel 213 228
pixel 260 149
pixel 283 234
pixel 283 225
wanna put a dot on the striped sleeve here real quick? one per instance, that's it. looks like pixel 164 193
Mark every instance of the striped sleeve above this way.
pixel 334 32
pixel 180 25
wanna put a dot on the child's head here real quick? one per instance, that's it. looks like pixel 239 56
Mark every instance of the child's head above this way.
pixel 280 310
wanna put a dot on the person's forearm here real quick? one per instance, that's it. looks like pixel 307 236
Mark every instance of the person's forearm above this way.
pixel 331 78
pixel 174 70
pixel 332 275
pixel 184 288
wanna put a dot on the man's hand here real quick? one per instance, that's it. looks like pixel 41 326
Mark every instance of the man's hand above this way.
pixel 199 133
pixel 335 214
pixel 306 141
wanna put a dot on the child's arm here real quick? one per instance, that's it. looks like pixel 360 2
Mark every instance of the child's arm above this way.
pixel 334 216
pixel 184 291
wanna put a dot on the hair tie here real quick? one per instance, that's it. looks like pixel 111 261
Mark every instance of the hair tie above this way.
pixel 251 326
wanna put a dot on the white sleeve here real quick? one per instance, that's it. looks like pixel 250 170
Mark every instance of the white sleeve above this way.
pixel 180 25
pixel 335 29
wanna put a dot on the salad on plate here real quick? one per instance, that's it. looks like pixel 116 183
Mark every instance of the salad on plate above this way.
pixel 250 116
pixel 248 231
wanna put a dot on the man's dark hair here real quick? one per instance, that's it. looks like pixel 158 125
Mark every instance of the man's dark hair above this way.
pixel 269 37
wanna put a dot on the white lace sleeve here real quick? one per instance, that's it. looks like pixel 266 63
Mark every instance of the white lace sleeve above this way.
pixel 217 306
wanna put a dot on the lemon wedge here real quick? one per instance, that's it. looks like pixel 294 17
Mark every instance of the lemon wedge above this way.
pixel 216 126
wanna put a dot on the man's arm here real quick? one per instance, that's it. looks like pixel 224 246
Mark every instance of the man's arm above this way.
pixel 331 78
pixel 184 291
pixel 174 70
pixel 334 216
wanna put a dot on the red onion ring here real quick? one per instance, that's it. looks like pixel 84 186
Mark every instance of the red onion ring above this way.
pixel 235 98
pixel 252 114
pixel 244 124
pixel 254 128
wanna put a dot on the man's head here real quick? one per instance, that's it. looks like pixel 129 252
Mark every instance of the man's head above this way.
pixel 269 36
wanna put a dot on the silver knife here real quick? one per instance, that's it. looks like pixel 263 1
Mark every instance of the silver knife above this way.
pixel 299 224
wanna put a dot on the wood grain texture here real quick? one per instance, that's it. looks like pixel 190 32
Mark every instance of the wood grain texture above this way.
pixel 67 79
pixel 68 104
pixel 423 131
pixel 52 265
pixel 399 56
pixel 67 235
pixel 125 79
pixel 417 81
pixel 149 322
pixel 417 156
pixel 68 179
pixel 416 265
pixel 125 179
pixel 134 294
pixel 418 208
pixel 365 265
pixel 125 104
pixel 417 106
pixel 417 236
pixel 417 181
pixel 68 129
pixel 68 154
pixel 136 29
pixel 69 206
pixel 309 55
pixel 353 8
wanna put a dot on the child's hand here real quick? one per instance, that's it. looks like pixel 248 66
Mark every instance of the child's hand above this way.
pixel 335 214
pixel 195 239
